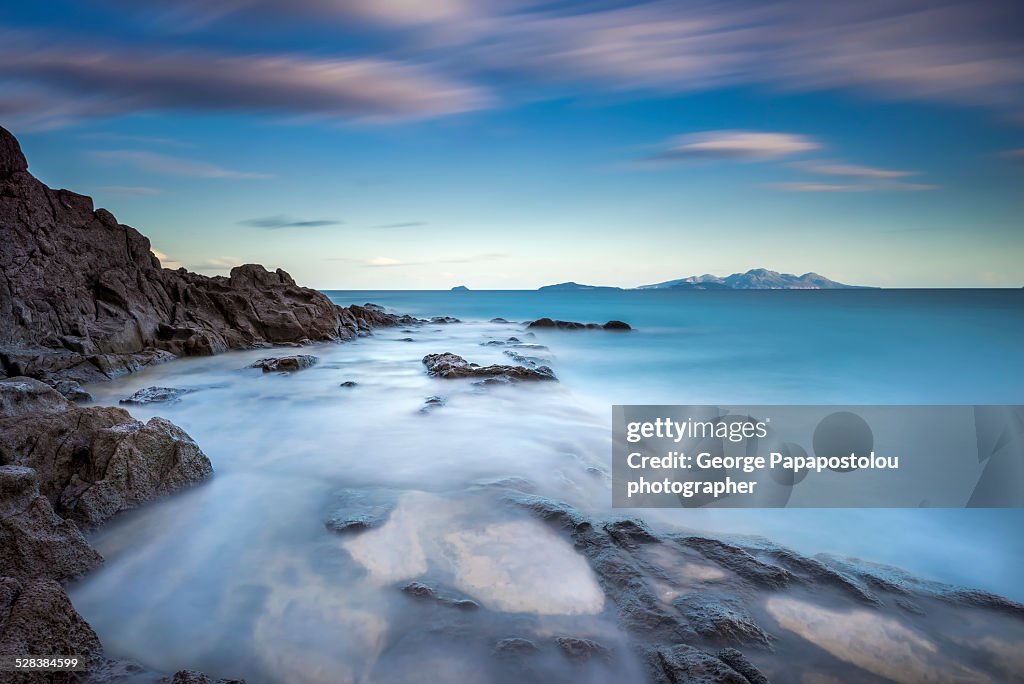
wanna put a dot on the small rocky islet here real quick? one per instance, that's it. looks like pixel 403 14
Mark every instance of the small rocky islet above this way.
pixel 83 299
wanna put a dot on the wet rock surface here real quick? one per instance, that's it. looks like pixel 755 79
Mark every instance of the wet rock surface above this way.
pixel 155 395
pixel 453 366
pixel 93 462
pixel 286 364
pixel 574 325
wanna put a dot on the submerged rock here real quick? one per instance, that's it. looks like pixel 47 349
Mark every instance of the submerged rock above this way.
pixel 443 320
pixel 450 366
pixel 156 395
pixel 515 646
pixel 349 383
pixel 286 364
pixel 579 649
pixel 682 663
pixel 573 325
pixel 721 618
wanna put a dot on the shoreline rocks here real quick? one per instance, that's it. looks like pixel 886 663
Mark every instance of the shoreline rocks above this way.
pixel 84 298
pixel 452 366
pixel 286 364
pixel 573 325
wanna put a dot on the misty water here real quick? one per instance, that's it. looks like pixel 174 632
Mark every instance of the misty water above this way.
pixel 240 576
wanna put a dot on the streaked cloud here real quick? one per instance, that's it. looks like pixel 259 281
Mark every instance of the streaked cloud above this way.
pixel 222 264
pixel 129 190
pixel 406 224
pixel 806 186
pixel 154 162
pixel 853 170
pixel 391 262
pixel 888 186
pixel 166 261
pixel 735 146
pixel 109 79
pixel 276 222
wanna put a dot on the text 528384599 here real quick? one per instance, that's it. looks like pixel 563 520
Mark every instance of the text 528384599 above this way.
pixel 41 663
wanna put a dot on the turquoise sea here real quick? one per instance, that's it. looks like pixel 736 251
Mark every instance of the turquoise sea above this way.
pixel 243 576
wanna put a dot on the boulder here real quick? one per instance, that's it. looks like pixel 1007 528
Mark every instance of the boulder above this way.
pixel 36 543
pixel 93 462
pixel 451 366
pixel 286 364
pixel 37 618
pixel 156 395
pixel 573 325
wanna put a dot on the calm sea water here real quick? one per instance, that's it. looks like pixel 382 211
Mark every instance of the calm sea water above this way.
pixel 794 347
pixel 239 577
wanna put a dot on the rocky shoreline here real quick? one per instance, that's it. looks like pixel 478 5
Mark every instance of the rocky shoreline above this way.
pixel 83 299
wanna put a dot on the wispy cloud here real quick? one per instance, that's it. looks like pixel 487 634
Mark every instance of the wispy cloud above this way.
pixel 853 170
pixel 175 166
pixel 889 186
pixel 128 190
pixel 276 222
pixel 806 186
pixel 166 261
pixel 391 262
pixel 733 146
pixel 138 139
pixel 406 224
pixel 1016 155
pixel 221 264
pixel 109 79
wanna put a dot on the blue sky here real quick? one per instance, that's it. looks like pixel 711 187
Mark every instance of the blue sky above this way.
pixel 507 144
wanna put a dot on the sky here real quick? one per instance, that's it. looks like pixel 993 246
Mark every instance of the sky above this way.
pixel 507 144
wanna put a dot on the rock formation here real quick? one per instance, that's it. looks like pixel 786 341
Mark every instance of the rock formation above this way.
pixel 573 325
pixel 83 297
pixel 451 366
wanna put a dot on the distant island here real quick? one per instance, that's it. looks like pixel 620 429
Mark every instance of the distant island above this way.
pixel 754 279
pixel 460 288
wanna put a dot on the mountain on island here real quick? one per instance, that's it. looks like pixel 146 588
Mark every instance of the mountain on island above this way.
pixel 574 287
pixel 754 279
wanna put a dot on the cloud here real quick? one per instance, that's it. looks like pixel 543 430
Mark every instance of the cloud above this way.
pixel 802 186
pixel 853 170
pixel 139 139
pixel 407 224
pixel 275 222
pixel 961 52
pixel 165 260
pixel 221 264
pixel 892 186
pixel 111 79
pixel 175 166
pixel 734 145
pixel 1016 155
pixel 391 262
pixel 128 190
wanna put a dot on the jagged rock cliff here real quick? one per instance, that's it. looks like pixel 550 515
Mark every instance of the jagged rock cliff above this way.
pixel 82 297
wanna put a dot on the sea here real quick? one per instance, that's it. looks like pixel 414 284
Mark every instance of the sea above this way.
pixel 242 576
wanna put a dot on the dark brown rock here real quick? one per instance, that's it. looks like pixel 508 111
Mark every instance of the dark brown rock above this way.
pixel 682 663
pixel 451 366
pixel 36 543
pixel 83 297
pixel 37 618
pixel 93 462
pixel 286 364
pixel 574 325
